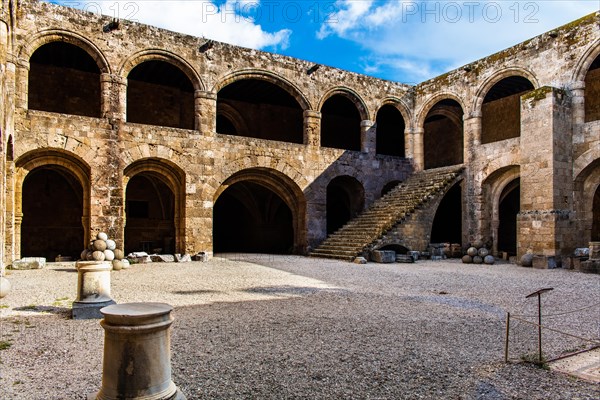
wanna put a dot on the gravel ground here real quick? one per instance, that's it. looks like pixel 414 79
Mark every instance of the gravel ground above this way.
pixel 260 326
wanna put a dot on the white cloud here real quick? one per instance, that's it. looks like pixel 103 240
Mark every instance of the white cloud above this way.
pixel 432 36
pixel 230 22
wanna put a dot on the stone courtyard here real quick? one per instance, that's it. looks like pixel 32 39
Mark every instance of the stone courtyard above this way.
pixel 264 326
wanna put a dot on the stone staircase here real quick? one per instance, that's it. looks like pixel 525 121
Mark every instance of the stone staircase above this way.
pixel 391 210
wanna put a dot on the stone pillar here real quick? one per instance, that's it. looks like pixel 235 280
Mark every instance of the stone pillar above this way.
pixel 120 88
pixel 206 112
pixel 367 137
pixel 475 226
pixel 137 354
pixel 312 128
pixel 21 77
pixel 93 289
pixel 418 152
pixel 578 102
pixel 545 223
pixel 106 90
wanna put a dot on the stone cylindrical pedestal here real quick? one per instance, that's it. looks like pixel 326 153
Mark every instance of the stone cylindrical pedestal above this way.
pixel 137 355
pixel 93 289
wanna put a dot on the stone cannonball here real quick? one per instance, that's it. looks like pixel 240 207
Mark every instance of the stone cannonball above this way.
pixel 99 245
pixel 102 236
pixel 119 254
pixel 472 251
pixel 109 255
pixel 467 259
pixel 117 265
pixel 478 244
pixel 527 260
pixel 489 259
pixel 5 287
pixel 477 260
pixel 126 263
pixel 84 254
pixel 98 255
pixel 90 255
pixel 110 244
pixel 483 252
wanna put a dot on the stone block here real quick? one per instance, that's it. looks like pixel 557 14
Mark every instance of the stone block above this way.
pixel 162 258
pixel 29 263
pixel 546 262
pixel 383 256
pixel 404 258
pixel 202 257
pixel 414 254
pixel 589 266
pixel 183 258
pixel 139 257
pixel 359 260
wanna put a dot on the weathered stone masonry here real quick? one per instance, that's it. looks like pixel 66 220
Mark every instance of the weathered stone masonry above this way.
pixel 169 141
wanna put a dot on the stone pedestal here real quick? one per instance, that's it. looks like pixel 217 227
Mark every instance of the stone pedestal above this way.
pixel 93 289
pixel 137 357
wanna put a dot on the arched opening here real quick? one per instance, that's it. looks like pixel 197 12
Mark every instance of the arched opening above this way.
pixel 159 93
pixel 443 137
pixel 447 223
pixel 150 215
pixel 64 78
pixel 508 209
pixel 259 109
pixel 9 149
pixel 52 206
pixel 596 216
pixel 501 109
pixel 389 186
pixel 399 249
pixel 345 200
pixel 390 131
pixel 340 123
pixel 592 92
pixel 251 218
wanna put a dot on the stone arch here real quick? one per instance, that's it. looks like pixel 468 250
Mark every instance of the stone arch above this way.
pixel 495 187
pixel 345 200
pixel 587 206
pixel 386 131
pixel 59 35
pixel 267 76
pixel 446 225
pixel 585 62
pixel 422 112
pixel 404 109
pixel 353 96
pixel 63 162
pixel 281 185
pixel 489 83
pixel 171 175
pixel 235 118
pixel 10 152
pixel 161 55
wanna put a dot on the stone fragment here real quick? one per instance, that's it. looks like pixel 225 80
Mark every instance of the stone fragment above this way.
pixel 183 258
pixel 162 258
pixel 404 258
pixel 139 257
pixel 415 255
pixel 202 256
pixel 29 263
pixel 359 260
pixel 383 256
pixel 589 266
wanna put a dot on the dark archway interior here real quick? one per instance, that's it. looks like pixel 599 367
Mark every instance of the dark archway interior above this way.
pixel 149 210
pixel 340 123
pixel 250 218
pixel 264 111
pixel 390 131
pixel 52 214
pixel 345 200
pixel 159 93
pixel 510 205
pixel 447 223
pixel 443 141
pixel 399 249
pixel 389 186
pixel 501 109
pixel 592 92
pixel 64 78
pixel 596 216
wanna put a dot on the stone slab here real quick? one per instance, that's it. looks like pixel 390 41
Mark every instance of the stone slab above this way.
pixel 585 365
pixel 89 310
pixel 162 258
pixel 359 260
pixel 589 266
pixel 183 258
pixel 29 263
pixel 383 256
pixel 404 258
pixel 546 262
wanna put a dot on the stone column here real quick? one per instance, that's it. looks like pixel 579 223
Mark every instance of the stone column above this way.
pixel 93 289
pixel 106 90
pixel 545 223
pixel 20 71
pixel 367 137
pixel 578 102
pixel 312 128
pixel 418 151
pixel 120 88
pixel 206 112
pixel 475 226
pixel 137 354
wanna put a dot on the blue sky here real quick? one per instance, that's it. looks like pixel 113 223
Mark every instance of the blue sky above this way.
pixel 402 40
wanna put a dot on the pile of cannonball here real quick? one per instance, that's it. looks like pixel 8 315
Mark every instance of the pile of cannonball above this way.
pixel 478 254
pixel 105 249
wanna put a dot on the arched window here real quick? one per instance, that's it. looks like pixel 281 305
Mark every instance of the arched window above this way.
pixel 443 141
pixel 340 123
pixel 390 131
pixel 592 92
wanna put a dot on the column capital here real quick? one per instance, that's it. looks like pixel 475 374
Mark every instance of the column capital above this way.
pixel 312 114
pixel 201 94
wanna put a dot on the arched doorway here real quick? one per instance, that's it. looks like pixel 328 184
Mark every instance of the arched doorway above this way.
pixel 150 215
pixel 345 200
pixel 508 209
pixel 159 93
pixel 64 78
pixel 592 92
pixel 390 131
pixel 443 137
pixel 52 207
pixel 447 223
pixel 501 109
pixel 340 123
pixel 251 218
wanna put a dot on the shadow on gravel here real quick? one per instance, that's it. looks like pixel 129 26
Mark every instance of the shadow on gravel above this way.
pixel 65 270
pixel 458 302
pixel 60 311
pixel 192 292
pixel 289 290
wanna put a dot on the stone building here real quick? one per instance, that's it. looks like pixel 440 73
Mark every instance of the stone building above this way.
pixel 173 142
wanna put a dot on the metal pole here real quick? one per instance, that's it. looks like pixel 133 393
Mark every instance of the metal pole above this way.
pixel 506 342
pixel 539 296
